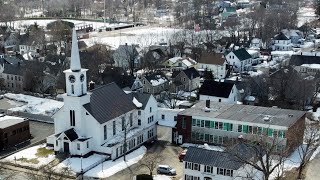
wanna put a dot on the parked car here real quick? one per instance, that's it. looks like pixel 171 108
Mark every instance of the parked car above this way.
pixel 165 169
pixel 182 154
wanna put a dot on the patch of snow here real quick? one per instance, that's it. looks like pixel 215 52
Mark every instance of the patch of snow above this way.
pixel 137 103
pixel 35 105
pixel 252 73
pixel 315 153
pixel 205 146
pixel 174 59
pixel 167 123
pixel 161 177
pixel 312 66
pixel 75 163
pixel 250 98
pixel 30 153
pixel 112 167
pixel 282 53
pixel 156 82
pixel 4 118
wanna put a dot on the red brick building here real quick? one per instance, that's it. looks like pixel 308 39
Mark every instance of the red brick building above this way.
pixel 13 130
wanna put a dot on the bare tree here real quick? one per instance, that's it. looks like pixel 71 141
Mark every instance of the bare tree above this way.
pixel 170 99
pixel 311 143
pixel 151 161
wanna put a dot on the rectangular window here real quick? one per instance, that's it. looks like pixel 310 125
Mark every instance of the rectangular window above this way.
pixel 270 133
pixel 198 122
pixel 207 124
pixel 225 126
pixel 162 116
pixel 87 144
pixel 72 118
pixel 78 146
pixel 249 129
pixel 245 128
pixel 259 130
pixel 150 109
pixel 114 127
pixel 194 122
pixel 230 127
pixel 211 124
pixel 57 142
pixel 139 112
pixel 105 132
pixel 202 123
pixel 220 125
pixel 184 124
pixel 254 131
pixel 206 137
pixel 130 119
pixel 211 138
pixel 216 125
pixel 123 123
pixel 139 122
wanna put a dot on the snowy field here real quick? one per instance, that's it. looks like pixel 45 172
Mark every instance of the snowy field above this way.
pixel 30 157
pixel 305 15
pixel 112 167
pixel 35 105
pixel 76 164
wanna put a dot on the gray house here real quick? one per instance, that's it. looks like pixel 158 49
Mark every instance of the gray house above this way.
pixel 125 55
pixel 155 83
pixel 186 80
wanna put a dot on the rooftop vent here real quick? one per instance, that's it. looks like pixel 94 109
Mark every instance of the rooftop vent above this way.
pixel 267 118
pixel 206 109
pixel 290 115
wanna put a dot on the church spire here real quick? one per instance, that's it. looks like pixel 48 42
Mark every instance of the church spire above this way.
pixel 75 58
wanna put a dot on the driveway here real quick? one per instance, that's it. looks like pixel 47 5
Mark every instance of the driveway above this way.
pixel 169 153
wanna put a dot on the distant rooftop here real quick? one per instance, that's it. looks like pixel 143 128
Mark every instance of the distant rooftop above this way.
pixel 246 113
pixel 7 121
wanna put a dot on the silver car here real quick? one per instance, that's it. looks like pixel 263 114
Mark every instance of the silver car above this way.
pixel 165 169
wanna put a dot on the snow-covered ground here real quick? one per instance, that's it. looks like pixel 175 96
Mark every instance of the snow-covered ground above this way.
pixel 76 164
pixel 161 177
pixel 28 157
pixel 305 14
pixel 112 167
pixel 35 105
pixel 205 146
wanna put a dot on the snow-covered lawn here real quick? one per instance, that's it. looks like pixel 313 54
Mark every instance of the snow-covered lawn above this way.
pixel 112 167
pixel 161 177
pixel 35 156
pixel 75 164
pixel 35 105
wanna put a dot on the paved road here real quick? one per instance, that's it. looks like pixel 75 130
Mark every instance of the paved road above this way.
pixel 312 171
pixel 168 152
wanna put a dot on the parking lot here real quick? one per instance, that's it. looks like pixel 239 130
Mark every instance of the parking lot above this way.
pixel 169 153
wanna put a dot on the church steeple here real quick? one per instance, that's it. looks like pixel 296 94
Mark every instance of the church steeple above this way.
pixel 75 58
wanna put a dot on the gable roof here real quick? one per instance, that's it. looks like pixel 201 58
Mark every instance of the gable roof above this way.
pixel 108 102
pixel 212 58
pixel 11 68
pixel 191 73
pixel 143 98
pixel 242 54
pixel 217 158
pixel 298 60
pixel 217 89
pixel 156 79
pixel 71 134
pixel 281 36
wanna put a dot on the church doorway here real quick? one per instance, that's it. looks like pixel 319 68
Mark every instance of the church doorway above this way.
pixel 66 147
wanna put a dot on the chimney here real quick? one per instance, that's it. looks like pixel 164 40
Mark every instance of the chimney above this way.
pixel 126 44
pixel 91 85
pixel 207 103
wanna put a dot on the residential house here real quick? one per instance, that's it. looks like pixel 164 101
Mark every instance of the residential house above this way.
pixel 239 60
pixel 206 164
pixel 256 43
pixel 281 43
pixel 167 120
pixel 243 3
pixel 179 63
pixel 9 39
pixel 185 80
pixel 218 91
pixel 28 47
pixel 98 121
pixel 222 123
pixel 12 74
pixel 255 55
pixel 13 130
pixel 214 62
pixel 135 86
pixel 155 83
pixel 293 34
pixel 306 63
pixel 126 56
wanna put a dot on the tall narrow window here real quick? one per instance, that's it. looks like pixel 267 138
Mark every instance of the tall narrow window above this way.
pixel 123 123
pixel 81 88
pixel 72 118
pixel 114 127
pixel 105 132
pixel 72 89
pixel 130 119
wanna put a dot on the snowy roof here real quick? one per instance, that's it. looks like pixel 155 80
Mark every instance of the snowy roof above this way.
pixel 142 98
pixel 312 66
pixel 255 40
pixel 137 103
pixel 156 79
pixel 7 121
pixel 167 123
pixel 174 59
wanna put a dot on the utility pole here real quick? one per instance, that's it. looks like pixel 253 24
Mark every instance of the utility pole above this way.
pixel 104 16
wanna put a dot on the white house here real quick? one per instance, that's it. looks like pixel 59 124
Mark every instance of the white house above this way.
pixel 294 35
pixel 214 62
pixel 97 121
pixel 239 60
pixel 218 92
pixel 281 43
pixel 206 164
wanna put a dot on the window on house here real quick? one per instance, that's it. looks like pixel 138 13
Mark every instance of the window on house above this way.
pixel 162 116
pixel 150 109
pixel 208 169
pixel 196 166
pixel 57 142
pixel 87 144
pixel 139 122
pixel 114 127
pixel 72 118
pixel 78 146
pixel 139 112
pixel 219 100
pixel 131 119
pixel 202 123
pixel 105 132
pixel 184 124
pixel 15 77
pixel 239 128
pixel 148 90
pixel 72 89
pixel 123 123
pixel 207 124
pixel 184 79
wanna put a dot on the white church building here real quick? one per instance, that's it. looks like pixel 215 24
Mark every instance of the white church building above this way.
pixel 101 120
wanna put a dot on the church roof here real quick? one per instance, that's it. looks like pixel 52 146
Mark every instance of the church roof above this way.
pixel 71 134
pixel 75 58
pixel 109 102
